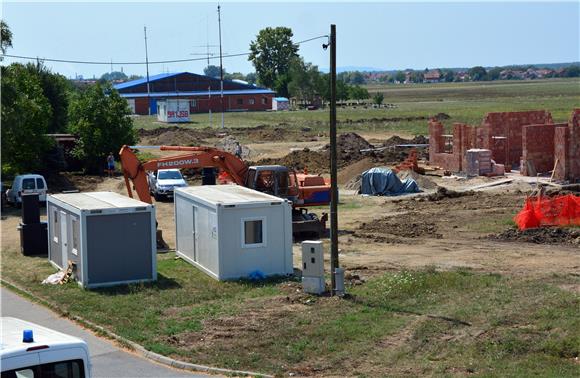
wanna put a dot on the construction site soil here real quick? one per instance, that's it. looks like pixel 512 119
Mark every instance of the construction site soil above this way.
pixel 186 136
pixel 546 235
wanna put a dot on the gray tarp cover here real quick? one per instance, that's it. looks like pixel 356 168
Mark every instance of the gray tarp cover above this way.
pixel 384 182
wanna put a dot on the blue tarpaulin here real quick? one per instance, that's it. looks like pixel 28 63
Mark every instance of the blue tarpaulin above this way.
pixel 384 182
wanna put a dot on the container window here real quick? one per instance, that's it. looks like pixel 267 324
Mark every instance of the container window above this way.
pixel 251 101
pixel 28 184
pixel 264 101
pixel 253 232
pixel 55 228
pixel 240 101
pixel 39 183
pixel 75 236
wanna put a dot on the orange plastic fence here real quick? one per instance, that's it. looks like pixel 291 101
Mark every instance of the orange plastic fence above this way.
pixel 549 211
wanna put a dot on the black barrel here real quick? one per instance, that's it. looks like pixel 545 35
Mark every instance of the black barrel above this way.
pixel 34 239
pixel 208 176
pixel 30 208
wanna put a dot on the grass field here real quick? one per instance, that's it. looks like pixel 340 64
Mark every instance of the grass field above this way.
pixel 411 322
pixel 463 102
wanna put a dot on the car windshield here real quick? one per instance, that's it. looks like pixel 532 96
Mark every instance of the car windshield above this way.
pixel 169 175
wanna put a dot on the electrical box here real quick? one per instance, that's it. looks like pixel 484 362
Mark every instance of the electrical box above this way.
pixel 312 259
pixel 313 267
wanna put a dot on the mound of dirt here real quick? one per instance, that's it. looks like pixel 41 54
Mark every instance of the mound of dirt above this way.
pixel 423 181
pixel 441 116
pixel 316 162
pixel 174 136
pixel 443 193
pixel 346 174
pixel 409 225
pixel 544 235
pixel 349 146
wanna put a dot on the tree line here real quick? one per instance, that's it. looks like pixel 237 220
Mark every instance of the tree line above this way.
pixel 37 102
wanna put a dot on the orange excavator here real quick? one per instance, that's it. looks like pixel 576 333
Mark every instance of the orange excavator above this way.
pixel 301 189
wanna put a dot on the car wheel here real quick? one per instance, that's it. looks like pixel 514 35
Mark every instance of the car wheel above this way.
pixel 157 197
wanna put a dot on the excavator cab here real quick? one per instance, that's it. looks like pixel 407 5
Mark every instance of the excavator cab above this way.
pixel 276 180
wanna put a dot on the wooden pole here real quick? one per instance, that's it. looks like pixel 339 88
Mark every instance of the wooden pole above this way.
pixel 333 163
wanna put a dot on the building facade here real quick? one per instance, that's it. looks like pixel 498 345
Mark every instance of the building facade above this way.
pixel 202 92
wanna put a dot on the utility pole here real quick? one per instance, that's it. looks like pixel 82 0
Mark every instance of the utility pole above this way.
pixel 221 66
pixel 333 164
pixel 147 68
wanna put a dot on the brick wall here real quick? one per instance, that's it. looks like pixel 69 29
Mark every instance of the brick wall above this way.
pixel 510 125
pixel 538 147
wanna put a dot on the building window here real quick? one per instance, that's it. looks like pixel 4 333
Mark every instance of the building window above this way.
pixel 264 101
pixel 251 101
pixel 193 103
pixel 240 101
pixel 253 232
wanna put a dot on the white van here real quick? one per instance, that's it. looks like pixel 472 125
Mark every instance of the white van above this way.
pixel 28 350
pixel 29 183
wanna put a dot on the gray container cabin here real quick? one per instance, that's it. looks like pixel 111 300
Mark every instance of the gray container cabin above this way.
pixel 109 238
pixel 229 231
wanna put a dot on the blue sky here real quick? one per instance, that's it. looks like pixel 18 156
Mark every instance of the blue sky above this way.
pixel 378 34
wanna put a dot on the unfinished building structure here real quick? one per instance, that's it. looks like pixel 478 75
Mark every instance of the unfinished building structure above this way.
pixel 529 140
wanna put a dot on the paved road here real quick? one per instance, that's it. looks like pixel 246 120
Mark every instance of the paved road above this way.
pixel 108 360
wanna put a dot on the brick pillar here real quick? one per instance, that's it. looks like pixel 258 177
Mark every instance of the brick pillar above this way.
pixel 436 140
pixel 561 135
pixel 574 146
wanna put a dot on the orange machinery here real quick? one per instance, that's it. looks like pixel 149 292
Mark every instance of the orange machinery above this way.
pixel 300 188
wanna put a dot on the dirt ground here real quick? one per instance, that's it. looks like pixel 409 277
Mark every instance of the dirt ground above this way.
pixel 433 228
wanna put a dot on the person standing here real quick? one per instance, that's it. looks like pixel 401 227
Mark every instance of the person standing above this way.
pixel 111 164
pixel 238 150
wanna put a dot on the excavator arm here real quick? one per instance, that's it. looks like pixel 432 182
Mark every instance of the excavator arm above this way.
pixel 195 157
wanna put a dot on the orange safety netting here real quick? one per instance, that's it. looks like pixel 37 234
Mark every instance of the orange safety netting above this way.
pixel 549 211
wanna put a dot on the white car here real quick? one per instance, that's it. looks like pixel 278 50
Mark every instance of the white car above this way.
pixel 29 350
pixel 163 182
pixel 22 184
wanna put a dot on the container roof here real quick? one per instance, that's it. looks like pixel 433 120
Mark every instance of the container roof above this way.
pixel 98 200
pixel 143 80
pixel 11 337
pixel 228 194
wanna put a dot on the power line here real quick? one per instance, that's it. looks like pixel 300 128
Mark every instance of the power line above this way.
pixel 140 63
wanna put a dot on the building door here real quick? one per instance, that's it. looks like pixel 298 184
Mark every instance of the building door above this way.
pixel 64 239
pixel 194 231
pixel 153 106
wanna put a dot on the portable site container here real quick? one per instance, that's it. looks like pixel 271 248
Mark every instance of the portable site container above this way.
pixel 229 231
pixel 109 238
pixel 173 110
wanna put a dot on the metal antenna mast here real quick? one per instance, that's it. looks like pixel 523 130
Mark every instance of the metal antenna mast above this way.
pixel 147 68
pixel 221 65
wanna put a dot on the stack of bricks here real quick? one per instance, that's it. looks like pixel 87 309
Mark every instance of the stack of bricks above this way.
pixel 478 162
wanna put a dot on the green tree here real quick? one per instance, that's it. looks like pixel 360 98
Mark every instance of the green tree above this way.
pixel 251 78
pixel 305 81
pixel 477 73
pixel 494 73
pixel 234 76
pixel 212 71
pixel 113 76
pixel 400 76
pixel 5 37
pixel 271 54
pixel 101 119
pixel 571 71
pixel 134 77
pixel 378 98
pixel 448 76
pixel 342 90
pixel 358 93
pixel 26 115
pixel 56 88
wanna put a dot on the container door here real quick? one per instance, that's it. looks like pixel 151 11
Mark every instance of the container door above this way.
pixel 64 239
pixel 194 230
